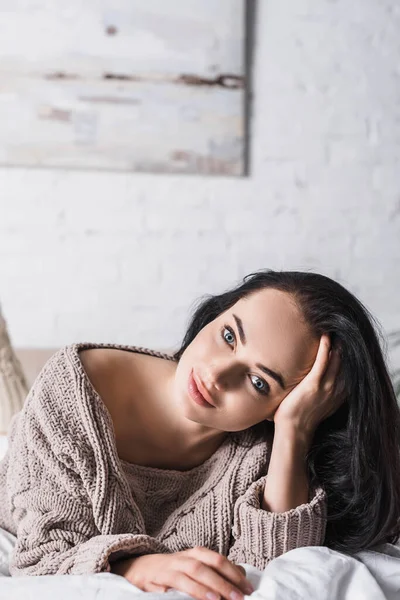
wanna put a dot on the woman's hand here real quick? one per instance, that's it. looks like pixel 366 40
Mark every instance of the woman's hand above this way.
pixel 312 400
pixel 197 572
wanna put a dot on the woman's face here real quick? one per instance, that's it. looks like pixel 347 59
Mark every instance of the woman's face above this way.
pixel 265 329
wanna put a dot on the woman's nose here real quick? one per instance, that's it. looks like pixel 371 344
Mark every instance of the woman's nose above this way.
pixel 212 377
pixel 218 375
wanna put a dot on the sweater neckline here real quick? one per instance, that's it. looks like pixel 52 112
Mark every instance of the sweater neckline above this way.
pixel 175 473
pixel 129 348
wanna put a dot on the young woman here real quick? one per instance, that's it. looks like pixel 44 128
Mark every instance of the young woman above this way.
pixel 274 426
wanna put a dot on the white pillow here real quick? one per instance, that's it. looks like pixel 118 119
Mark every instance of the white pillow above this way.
pixel 3 446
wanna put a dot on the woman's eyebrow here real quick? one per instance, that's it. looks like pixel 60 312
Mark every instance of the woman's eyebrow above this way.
pixel 277 376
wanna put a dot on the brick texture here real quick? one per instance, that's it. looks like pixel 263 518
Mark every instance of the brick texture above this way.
pixel 122 257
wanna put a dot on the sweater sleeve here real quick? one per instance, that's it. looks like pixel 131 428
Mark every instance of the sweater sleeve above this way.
pixel 52 540
pixel 260 535
pixel 58 495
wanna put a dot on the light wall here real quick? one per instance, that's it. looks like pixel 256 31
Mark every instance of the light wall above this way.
pixel 104 256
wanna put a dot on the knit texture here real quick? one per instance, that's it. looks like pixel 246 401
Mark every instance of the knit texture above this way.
pixel 75 506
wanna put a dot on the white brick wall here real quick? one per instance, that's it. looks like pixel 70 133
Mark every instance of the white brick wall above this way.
pixel 108 256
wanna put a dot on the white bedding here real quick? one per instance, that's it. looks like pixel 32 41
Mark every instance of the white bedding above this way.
pixel 305 573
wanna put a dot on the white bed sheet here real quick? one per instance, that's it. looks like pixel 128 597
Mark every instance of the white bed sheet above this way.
pixel 305 573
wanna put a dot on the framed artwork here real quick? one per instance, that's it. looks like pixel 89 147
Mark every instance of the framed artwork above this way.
pixel 125 85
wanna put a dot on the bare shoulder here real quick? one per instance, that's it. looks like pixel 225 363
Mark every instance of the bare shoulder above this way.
pixel 123 380
pixel 111 372
pixel 110 366
pixel 98 363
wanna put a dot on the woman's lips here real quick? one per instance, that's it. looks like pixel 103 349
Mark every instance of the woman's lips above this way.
pixel 195 393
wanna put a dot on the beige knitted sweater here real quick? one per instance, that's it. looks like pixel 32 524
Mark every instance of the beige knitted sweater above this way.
pixel 75 506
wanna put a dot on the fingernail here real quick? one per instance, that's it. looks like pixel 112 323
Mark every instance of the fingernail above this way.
pixel 236 596
pixel 212 596
pixel 249 589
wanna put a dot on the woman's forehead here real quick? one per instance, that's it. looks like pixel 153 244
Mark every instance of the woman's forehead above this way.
pixel 276 332
pixel 269 306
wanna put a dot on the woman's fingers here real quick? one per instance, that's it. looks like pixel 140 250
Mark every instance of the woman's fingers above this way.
pixel 152 587
pixel 198 578
pixel 332 370
pixel 197 571
pixel 326 369
pixel 328 384
pixel 334 362
pixel 322 359
pixel 230 572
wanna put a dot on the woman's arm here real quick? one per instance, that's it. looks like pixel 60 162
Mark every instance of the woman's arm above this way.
pixel 279 512
pixel 287 485
pixel 274 516
pixel 260 535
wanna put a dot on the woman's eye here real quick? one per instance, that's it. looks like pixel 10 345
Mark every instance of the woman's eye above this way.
pixel 230 333
pixel 264 387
